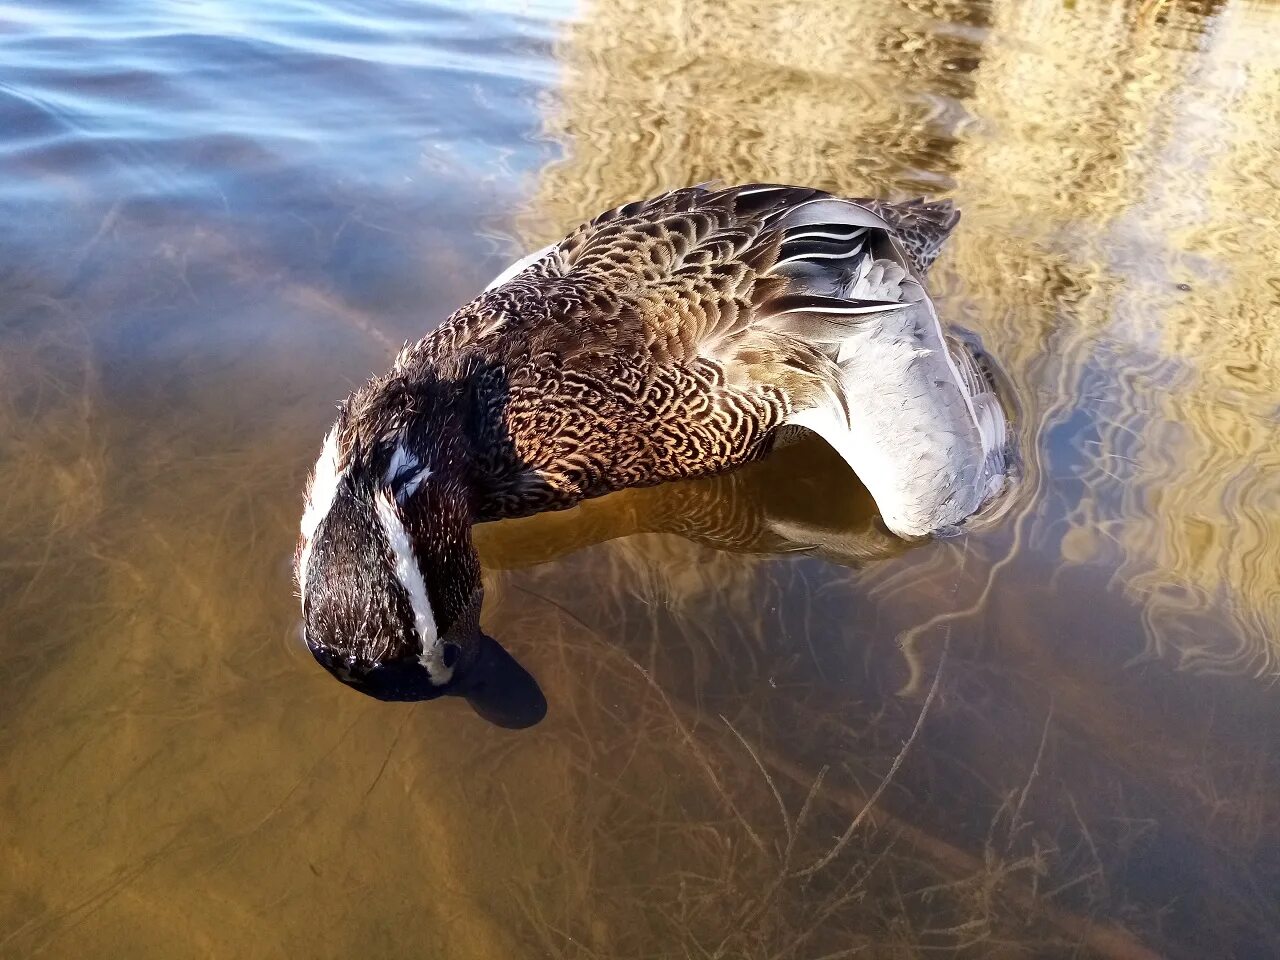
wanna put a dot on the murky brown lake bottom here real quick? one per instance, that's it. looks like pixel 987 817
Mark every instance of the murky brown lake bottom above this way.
pixel 774 731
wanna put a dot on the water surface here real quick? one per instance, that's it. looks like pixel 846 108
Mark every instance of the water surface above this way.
pixel 774 731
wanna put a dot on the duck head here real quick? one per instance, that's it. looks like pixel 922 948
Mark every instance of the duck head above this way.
pixel 390 582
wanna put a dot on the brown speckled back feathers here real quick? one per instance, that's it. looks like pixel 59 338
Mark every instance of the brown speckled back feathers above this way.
pixel 666 338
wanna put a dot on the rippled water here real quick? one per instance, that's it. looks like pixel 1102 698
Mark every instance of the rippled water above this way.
pixel 219 217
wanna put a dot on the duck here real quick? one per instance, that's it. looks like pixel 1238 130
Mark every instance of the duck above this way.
pixel 678 336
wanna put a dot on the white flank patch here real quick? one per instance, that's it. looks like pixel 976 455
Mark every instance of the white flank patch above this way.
pixel 321 493
pixel 409 574
pixel 403 461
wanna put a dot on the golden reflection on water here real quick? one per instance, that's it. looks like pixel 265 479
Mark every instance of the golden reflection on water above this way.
pixel 733 665
pixel 1140 158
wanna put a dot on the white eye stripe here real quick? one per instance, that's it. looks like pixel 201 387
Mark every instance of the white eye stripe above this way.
pixel 402 459
pixel 405 471
pixel 321 492
pixel 409 574
pixel 411 485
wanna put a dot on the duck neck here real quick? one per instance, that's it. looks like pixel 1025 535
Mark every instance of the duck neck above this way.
pixel 415 426
pixel 437 507
pixel 444 467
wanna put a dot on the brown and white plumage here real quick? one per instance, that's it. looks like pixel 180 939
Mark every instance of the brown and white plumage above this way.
pixel 668 338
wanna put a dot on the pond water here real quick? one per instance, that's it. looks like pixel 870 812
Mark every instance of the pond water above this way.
pixel 773 731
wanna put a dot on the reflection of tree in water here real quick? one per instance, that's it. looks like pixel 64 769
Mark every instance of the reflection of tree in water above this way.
pixel 1106 179
pixel 658 96
pixel 698 696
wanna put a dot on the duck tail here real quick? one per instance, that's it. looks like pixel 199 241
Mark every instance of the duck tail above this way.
pixel 921 225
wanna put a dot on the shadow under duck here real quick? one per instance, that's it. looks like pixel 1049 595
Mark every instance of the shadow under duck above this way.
pixel 797 500
pixel 673 337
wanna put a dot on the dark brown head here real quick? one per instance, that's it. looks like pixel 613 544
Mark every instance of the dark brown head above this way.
pixel 390 581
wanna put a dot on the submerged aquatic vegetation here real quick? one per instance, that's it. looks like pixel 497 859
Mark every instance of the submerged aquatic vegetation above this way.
pixel 758 812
